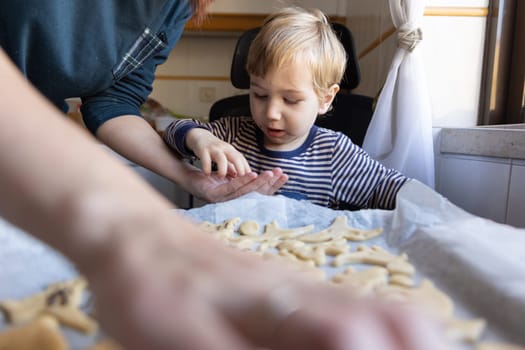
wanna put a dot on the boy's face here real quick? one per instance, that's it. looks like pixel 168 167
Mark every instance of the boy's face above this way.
pixel 284 106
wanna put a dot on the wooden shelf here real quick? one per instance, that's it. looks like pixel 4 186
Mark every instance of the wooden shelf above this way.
pixel 235 22
pixel 240 22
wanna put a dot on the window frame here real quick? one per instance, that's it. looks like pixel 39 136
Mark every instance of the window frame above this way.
pixel 502 92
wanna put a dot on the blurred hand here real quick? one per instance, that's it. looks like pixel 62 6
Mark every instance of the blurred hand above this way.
pixel 172 287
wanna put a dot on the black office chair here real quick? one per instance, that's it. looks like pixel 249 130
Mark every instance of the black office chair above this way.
pixel 351 113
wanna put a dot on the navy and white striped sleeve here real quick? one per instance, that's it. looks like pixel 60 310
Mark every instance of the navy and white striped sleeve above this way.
pixel 175 136
pixel 386 192
pixel 361 180
pixel 224 129
pixel 227 128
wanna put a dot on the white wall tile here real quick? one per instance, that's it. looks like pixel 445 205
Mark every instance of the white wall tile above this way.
pixel 477 184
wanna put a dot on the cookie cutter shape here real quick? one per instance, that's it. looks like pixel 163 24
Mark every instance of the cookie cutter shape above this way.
pixel 339 229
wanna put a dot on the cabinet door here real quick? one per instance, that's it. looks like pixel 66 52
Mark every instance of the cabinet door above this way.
pixel 516 203
pixel 477 184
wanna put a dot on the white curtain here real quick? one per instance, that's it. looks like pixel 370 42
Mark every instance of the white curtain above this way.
pixel 400 132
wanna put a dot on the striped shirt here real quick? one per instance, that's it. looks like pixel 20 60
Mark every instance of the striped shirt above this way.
pixel 327 169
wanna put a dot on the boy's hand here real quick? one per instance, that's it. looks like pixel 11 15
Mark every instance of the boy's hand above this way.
pixel 209 148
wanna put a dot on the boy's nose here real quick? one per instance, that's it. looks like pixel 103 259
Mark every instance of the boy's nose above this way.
pixel 273 111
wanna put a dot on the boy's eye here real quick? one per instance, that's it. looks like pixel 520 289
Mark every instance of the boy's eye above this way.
pixel 259 96
pixel 291 101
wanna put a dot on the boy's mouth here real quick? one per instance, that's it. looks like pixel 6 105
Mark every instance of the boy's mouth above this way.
pixel 275 132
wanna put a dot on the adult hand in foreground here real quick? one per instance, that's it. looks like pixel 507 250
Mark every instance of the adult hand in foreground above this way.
pixel 160 289
pixel 161 283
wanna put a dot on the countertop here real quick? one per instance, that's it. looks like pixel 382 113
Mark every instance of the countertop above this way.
pixel 505 141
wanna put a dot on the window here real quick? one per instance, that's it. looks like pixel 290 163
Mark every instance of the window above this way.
pixel 503 87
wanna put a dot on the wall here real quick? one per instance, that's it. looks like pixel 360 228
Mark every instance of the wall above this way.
pixel 255 6
pixel 197 71
pixel 196 56
pixel 452 50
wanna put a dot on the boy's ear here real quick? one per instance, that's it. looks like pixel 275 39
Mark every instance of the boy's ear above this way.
pixel 326 102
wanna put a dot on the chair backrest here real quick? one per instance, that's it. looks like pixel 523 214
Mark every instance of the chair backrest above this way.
pixel 351 113
pixel 241 80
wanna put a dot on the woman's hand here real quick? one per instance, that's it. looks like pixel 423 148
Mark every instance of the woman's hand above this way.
pixel 166 285
pixel 212 188
pixel 122 133
pixel 209 149
pixel 159 282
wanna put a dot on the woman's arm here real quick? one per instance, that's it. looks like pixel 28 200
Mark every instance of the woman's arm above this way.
pixel 136 140
pixel 53 173
pixel 113 115
pixel 160 283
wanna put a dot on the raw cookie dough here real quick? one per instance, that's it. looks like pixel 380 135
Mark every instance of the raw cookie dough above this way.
pixel 362 282
pixel 391 277
pixel 395 264
pixel 41 334
pixel 249 228
pixel 223 231
pixel 426 294
pixel 465 330
pixel 270 238
pixel 60 300
pixel 498 346
pixel 340 229
pixel 106 344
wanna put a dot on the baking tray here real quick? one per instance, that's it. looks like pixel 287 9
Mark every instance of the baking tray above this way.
pixel 480 264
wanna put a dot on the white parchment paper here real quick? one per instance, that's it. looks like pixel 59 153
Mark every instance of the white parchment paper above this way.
pixel 27 266
pixel 479 263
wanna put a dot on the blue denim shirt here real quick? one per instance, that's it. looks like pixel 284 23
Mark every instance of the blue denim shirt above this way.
pixel 104 51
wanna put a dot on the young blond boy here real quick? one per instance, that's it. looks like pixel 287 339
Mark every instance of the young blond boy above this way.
pixel 295 64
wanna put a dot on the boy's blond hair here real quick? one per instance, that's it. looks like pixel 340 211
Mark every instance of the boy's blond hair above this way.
pixel 295 34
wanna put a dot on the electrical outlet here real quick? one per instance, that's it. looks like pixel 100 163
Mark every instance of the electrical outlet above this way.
pixel 207 94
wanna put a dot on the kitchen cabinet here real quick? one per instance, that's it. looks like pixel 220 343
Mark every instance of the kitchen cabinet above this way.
pixel 482 170
pixel 516 202
pixel 477 184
